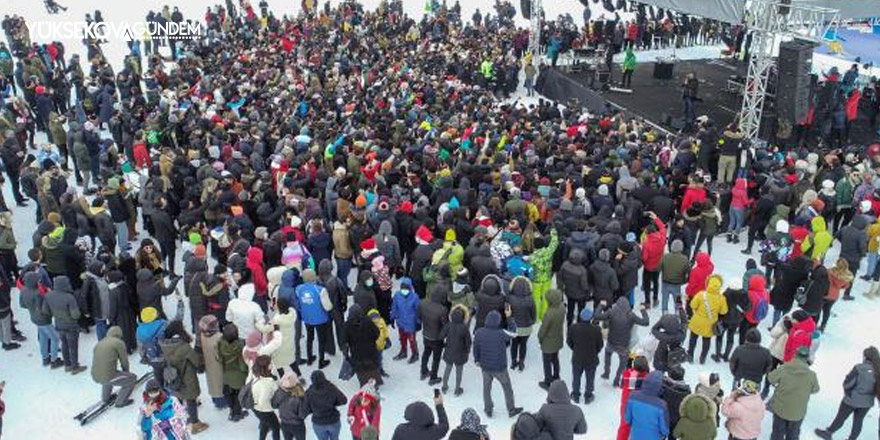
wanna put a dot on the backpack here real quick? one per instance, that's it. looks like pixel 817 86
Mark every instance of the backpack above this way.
pixel 246 396
pixel 431 272
pixel 172 377
pixel 676 356
pixel 762 308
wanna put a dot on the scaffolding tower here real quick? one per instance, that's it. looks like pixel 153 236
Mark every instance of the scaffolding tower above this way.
pixel 771 22
pixel 535 24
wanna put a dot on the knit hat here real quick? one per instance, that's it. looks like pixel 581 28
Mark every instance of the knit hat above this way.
pixel 261 233
pixel 360 201
pixel 603 190
pixel 200 251
pixel 450 235
pixel 149 314
pixel 604 255
pixel 253 339
pixel 406 207
pixel 195 238
pixel 309 276
pixel 827 184
pixel 677 246
pixel 782 227
pixel 753 336
pixel 289 380
pixel 152 386
pixel 803 353
pixel 424 235
pixel 368 246
pixel 586 314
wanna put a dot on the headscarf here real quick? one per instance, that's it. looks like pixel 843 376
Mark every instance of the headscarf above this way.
pixel 470 422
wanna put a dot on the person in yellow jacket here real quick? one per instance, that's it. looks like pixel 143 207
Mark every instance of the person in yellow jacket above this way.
pixel 451 250
pixel 873 245
pixel 382 340
pixel 816 244
pixel 706 307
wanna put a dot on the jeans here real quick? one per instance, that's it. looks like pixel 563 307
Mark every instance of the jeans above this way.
pixel 458 373
pixel 667 290
pixel 70 346
pixel 650 285
pixel 192 411
pixel 435 349
pixel 122 236
pixel 872 262
pixel 785 429
pixel 291 432
pixel 327 432
pixel 125 381
pixel 589 373
pixel 49 342
pixel 622 354
pixel 101 327
pixel 737 220
pixel 343 268
pixel 843 413
pixel 268 422
pixel 504 379
pixel 626 81
pixel 688 104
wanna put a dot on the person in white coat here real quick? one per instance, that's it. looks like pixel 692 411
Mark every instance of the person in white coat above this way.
pixel 243 311
pixel 283 322
pixel 263 388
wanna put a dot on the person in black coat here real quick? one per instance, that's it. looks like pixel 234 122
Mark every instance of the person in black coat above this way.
pixel 670 333
pixel 458 346
pixel 365 291
pixel 489 298
pixel 360 343
pixel 764 209
pixel 420 422
pixel 751 360
pixel 481 265
pixel 675 389
pixel 150 291
pixel 585 340
pixel 816 292
pixel 166 232
pixel 123 309
pixel 737 303
pixel 321 400
pixel 433 315
pixel 791 275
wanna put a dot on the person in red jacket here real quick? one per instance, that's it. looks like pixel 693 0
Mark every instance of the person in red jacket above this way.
pixel 699 274
pixel 254 263
pixel 759 305
pixel 142 155
pixel 364 409
pixel 800 335
pixel 694 193
pixel 632 34
pixel 653 246
pixel 852 109
pixel 631 380
pixel 798 234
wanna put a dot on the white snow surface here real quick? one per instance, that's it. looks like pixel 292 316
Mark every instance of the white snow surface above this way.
pixel 41 403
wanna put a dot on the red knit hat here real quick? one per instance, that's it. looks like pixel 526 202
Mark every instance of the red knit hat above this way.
pixel 424 235
pixel 368 245
pixel 406 207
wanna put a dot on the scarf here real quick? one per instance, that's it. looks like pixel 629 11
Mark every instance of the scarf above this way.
pixel 470 422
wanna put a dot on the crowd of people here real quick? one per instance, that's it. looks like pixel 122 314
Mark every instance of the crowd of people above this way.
pixel 346 173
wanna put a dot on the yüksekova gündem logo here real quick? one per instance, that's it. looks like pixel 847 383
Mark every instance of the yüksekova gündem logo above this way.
pixel 124 31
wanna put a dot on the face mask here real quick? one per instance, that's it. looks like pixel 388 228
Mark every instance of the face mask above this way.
pixel 369 283
pixel 404 292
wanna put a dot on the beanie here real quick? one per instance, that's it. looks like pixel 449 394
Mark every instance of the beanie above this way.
pixel 753 336
pixel 450 235
pixel 604 255
pixel 677 246
pixel 149 314
pixel 200 251
pixel 586 314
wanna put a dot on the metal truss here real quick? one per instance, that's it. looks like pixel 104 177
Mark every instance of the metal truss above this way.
pixel 535 27
pixel 770 21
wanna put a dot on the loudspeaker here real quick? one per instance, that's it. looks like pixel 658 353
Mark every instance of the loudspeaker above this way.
pixel 793 80
pixel 526 7
pixel 784 8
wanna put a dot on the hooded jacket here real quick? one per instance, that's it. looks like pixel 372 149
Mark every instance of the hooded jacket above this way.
pixel 674 392
pixel 675 266
pixel 750 361
pixel 243 311
pixel 573 278
pixel 150 292
pixel 621 320
pixel 433 314
pixel 553 324
pixel 757 294
pixel 180 355
pixel 669 332
pixel 490 343
pixel 859 387
pixel 744 415
pixel 489 298
pixel 405 307
pixel 854 241
pixel 562 418
pixel 235 370
pixel 360 339
pixel 816 245
pixel 653 246
pixel 31 299
pixel 420 423
pixel 603 278
pixel 61 304
pixel 817 290
pixel 707 307
pixel 800 335
pixel 458 337
pixel 646 412
pixel 794 272
pixel 699 274
pixel 322 398
pixel 109 352
pixel 697 420
pixel 522 304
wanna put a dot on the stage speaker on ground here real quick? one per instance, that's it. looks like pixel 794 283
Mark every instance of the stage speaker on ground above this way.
pixel 793 80
pixel 664 70
pixel 526 7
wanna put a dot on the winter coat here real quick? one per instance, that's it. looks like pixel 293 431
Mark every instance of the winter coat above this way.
pixel 793 273
pixel 213 366
pixel 573 278
pixel 669 332
pixel 750 361
pixel 756 295
pixel 109 352
pixel 737 302
pixel 860 387
pixel 707 306
pixel 243 311
pixel 816 245
pixel 800 335
pixel 699 274
pixel 819 285
pixel 490 343
pixel 61 304
pixel 360 339
pixel 30 299
pixel 291 408
pixel 553 324
pixel 461 294
pixel 433 314
pixel 674 392
pixel 490 297
pixel 387 244
pixel 420 423
pixel 458 337
pixel 627 269
pixel 697 420
pixel 235 370
pixel 263 389
pixel 123 312
pixel 405 310
pixel 284 355
pixel 322 398
pixel 150 291
pixel 603 278
pixel 675 268
pixel 586 342
pixel 480 266
pixel 794 382
pixel 180 355
pixel 653 246
pixel 171 416
pixel 561 417
pixel 646 412
pixel 854 241
pixel 369 414
pixel 621 320
pixel 779 333
pixel 744 415
pixel 313 304
pixel 522 303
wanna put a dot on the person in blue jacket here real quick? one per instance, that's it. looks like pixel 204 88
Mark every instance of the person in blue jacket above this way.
pixel 405 315
pixel 646 411
pixel 314 307
pixel 490 354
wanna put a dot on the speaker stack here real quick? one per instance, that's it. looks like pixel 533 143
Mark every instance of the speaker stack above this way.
pixel 526 7
pixel 793 83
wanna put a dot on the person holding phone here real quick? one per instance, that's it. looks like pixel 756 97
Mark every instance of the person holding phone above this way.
pixel 420 421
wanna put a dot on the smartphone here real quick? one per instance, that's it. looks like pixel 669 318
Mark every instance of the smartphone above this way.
pixel 436 392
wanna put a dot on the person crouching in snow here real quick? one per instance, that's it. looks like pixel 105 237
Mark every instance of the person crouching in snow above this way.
pixel 405 315
pixel 364 410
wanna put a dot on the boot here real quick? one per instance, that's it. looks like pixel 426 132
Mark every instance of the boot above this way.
pixel 874 290
pixel 458 392
pixel 514 412
pixel 746 251
pixel 198 427
pixel 575 397
pixel 400 356
pixel 11 346
pixel 729 237
pixel 736 239
pixel 47 362
pixel 414 358
pixel 823 433
pixel 77 369
pixel 57 363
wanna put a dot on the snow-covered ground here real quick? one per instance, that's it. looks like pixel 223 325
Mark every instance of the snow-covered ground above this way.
pixel 40 403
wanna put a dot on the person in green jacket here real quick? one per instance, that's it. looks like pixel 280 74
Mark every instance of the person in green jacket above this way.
pixel 108 352
pixel 550 337
pixel 697 420
pixel 486 68
pixel 235 370
pixel 817 243
pixel 794 382
pixel 843 193
pixel 181 356
pixel 542 268
pixel 629 66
